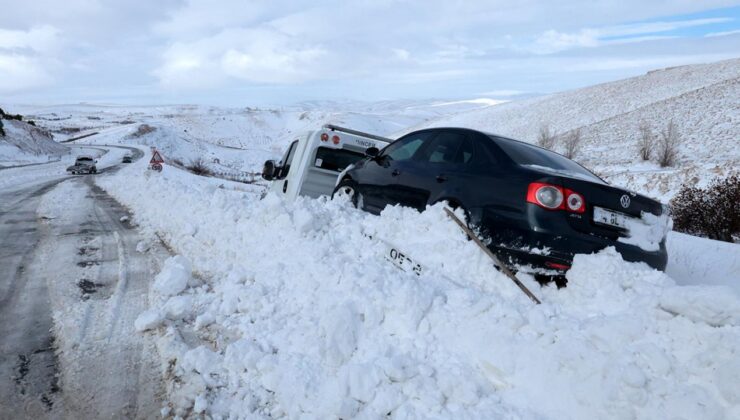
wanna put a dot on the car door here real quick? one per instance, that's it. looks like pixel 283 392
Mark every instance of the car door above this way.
pixel 379 175
pixel 423 178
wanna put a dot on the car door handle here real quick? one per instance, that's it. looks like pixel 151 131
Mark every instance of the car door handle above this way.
pixel 395 172
pixel 441 178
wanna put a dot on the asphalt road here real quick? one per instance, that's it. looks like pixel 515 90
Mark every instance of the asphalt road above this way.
pixel 81 267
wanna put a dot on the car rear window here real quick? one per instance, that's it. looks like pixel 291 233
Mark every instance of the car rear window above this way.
pixel 544 160
pixel 335 159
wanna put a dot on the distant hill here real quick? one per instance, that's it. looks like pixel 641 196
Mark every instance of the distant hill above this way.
pixel 702 100
pixel 24 143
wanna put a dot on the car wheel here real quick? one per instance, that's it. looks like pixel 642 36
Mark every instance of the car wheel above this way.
pixel 347 190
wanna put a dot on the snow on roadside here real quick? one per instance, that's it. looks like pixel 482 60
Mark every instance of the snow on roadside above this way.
pixel 300 316
pixel 700 261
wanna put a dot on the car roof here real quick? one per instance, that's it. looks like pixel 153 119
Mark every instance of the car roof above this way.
pixel 463 129
pixel 492 136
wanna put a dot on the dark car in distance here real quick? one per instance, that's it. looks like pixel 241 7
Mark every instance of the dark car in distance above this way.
pixel 536 207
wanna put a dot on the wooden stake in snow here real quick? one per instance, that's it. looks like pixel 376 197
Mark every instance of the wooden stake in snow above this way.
pixel 499 264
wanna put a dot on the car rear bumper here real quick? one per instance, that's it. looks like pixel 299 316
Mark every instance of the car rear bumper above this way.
pixel 547 244
pixel 556 255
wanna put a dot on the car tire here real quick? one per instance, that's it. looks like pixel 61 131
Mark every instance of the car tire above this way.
pixel 347 188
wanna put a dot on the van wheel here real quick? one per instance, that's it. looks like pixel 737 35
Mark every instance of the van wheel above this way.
pixel 346 189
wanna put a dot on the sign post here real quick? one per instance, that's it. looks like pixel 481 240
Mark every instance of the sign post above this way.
pixel 156 161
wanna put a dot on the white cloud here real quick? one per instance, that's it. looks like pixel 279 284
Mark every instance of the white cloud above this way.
pixel 40 39
pixel 724 33
pixel 19 73
pixel 27 58
pixel 255 55
pixel 553 41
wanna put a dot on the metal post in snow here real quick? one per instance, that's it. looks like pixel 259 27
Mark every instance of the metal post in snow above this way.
pixel 504 269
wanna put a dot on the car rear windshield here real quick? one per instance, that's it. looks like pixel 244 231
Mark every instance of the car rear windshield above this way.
pixel 84 159
pixel 544 160
pixel 335 159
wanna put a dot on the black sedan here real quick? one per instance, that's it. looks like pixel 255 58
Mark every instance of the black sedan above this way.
pixel 536 207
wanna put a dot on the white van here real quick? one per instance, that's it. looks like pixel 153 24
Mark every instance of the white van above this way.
pixel 313 161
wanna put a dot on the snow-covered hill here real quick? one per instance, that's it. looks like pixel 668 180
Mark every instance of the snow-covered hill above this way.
pixel 24 143
pixel 702 100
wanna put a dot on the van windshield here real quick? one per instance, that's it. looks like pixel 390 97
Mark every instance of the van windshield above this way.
pixel 335 159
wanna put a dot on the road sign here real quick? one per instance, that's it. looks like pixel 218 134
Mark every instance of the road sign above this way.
pixel 156 158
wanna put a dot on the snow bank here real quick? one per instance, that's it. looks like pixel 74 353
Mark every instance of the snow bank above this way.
pixel 301 316
pixel 693 260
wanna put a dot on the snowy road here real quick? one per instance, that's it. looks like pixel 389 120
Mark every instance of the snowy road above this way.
pixel 27 362
pixel 71 286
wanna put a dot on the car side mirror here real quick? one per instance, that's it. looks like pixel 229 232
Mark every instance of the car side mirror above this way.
pixel 268 170
pixel 372 152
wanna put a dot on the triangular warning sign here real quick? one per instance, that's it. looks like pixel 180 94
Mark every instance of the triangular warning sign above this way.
pixel 156 158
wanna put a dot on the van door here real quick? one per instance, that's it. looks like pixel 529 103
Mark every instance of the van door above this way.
pixel 324 168
pixel 281 180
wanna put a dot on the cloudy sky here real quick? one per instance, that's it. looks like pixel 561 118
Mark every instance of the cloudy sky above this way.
pixel 255 52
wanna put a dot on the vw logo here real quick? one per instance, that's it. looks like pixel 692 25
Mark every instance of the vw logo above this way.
pixel 625 201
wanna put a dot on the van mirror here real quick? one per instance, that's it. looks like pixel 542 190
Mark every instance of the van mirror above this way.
pixel 268 170
pixel 372 152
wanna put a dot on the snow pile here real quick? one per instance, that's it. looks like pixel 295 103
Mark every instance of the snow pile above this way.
pixel 648 231
pixel 300 315
pixel 693 260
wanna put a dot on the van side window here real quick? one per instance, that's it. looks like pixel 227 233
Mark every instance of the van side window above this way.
pixel 286 160
pixel 335 159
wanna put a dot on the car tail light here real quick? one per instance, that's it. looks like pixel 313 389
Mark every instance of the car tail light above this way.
pixel 545 195
pixel 553 197
pixel 574 201
pixel 556 266
pixel 335 139
pixel 324 137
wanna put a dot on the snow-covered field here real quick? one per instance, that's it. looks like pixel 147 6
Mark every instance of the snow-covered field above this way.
pixel 233 138
pixel 275 309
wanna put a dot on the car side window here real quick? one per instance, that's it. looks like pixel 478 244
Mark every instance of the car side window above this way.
pixel 466 154
pixel 486 152
pixel 286 160
pixel 404 148
pixel 445 148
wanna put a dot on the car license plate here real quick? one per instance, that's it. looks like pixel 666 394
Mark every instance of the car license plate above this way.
pixel 402 261
pixel 611 218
